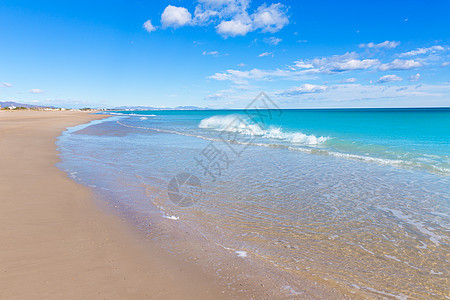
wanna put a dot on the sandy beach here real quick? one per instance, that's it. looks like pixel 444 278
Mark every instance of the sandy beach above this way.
pixel 57 244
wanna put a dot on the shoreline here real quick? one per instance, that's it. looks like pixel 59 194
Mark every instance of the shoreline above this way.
pixel 57 243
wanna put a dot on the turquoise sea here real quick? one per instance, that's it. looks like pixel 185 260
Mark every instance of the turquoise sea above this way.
pixel 356 200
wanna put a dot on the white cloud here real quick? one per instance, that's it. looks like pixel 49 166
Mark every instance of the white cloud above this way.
pixel 36 91
pixel 241 65
pixel 400 64
pixel 389 78
pixel 303 89
pixel 303 65
pixel 446 64
pixel 349 80
pixel 6 84
pixel 337 63
pixel 420 51
pixel 270 18
pixel 242 77
pixel 234 19
pixel 385 44
pixel 272 41
pixel 149 26
pixel 357 95
pixel 414 77
pixel 266 54
pixel 213 53
pixel 233 28
pixel 353 64
pixel 215 97
pixel 203 17
pixel 175 17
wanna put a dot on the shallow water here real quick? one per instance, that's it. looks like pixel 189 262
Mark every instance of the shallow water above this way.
pixel 333 197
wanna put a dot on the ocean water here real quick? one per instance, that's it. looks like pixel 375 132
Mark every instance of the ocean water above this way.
pixel 352 199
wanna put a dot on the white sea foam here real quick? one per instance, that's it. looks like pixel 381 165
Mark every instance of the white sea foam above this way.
pixel 171 217
pixel 139 115
pixel 127 115
pixel 241 253
pixel 238 124
pixel 299 141
pixel 420 226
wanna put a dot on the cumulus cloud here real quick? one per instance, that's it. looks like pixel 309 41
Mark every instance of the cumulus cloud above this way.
pixel 234 28
pixel 36 91
pixel 272 41
pixel 270 18
pixel 426 50
pixel 175 17
pixel 414 77
pixel 303 89
pixel 400 64
pixel 149 26
pixel 265 54
pixel 389 78
pixel 230 17
pixel 6 84
pixel 385 44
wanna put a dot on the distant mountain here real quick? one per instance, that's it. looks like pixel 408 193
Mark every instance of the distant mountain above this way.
pixel 191 107
pixel 11 103
pixel 158 108
pixel 132 108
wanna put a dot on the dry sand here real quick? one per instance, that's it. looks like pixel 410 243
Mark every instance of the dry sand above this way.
pixel 55 243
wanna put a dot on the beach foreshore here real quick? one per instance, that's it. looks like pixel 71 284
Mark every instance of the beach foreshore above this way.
pixel 56 243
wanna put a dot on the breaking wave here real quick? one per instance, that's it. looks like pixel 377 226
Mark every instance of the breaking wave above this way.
pixel 236 123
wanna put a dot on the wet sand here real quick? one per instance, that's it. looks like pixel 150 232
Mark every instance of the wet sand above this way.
pixel 57 244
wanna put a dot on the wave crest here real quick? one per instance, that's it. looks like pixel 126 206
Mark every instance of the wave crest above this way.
pixel 236 123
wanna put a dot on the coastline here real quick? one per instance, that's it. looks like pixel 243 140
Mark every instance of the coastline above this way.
pixel 55 241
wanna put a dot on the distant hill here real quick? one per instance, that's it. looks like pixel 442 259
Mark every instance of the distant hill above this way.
pixel 158 108
pixel 11 103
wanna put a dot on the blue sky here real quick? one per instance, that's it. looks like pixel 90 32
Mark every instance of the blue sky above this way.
pixel 221 53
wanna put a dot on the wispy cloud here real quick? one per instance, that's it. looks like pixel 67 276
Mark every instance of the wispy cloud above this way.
pixel 36 91
pixel 389 78
pixel 243 77
pixel 400 64
pixel 414 77
pixel 212 53
pixel 385 44
pixel 337 63
pixel 349 80
pixel 426 50
pixel 265 54
pixel 272 41
pixel 303 89
pixel 6 84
